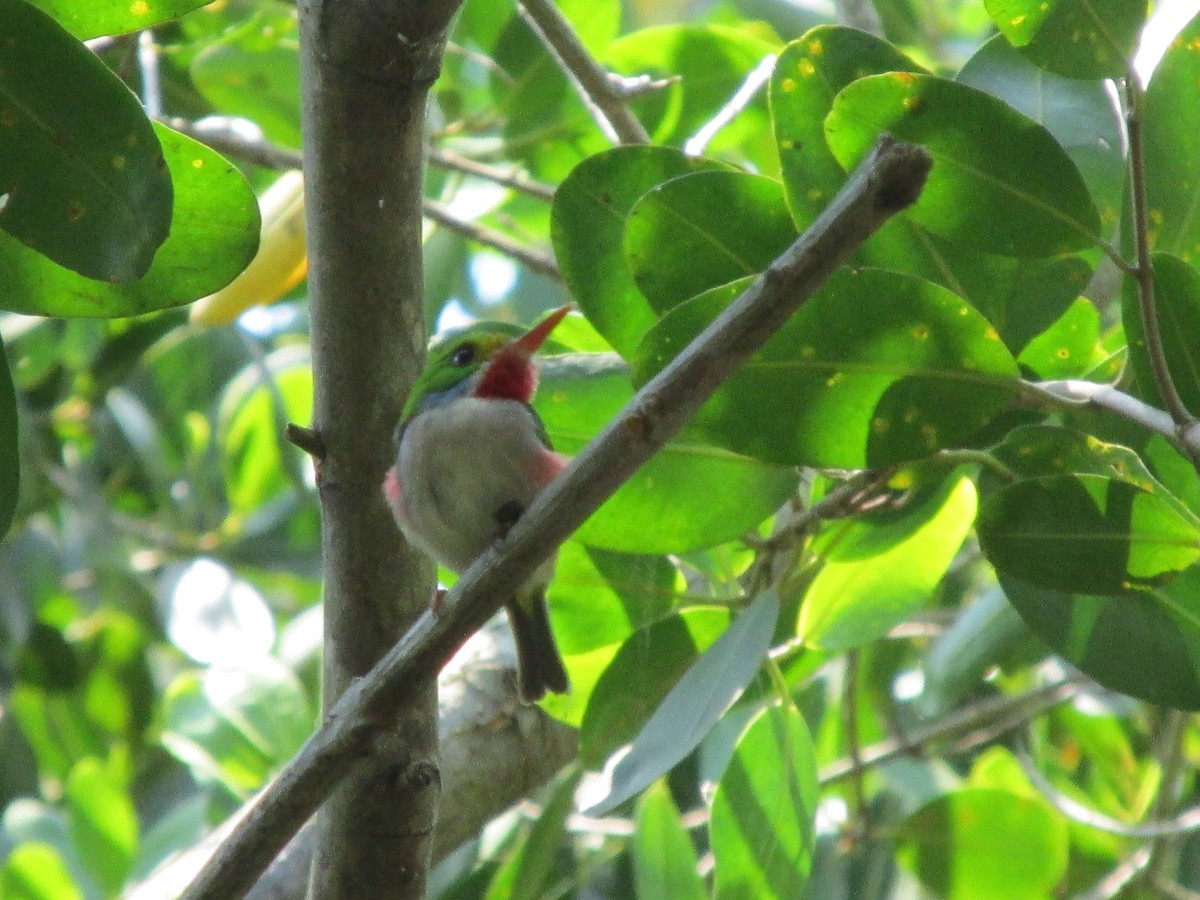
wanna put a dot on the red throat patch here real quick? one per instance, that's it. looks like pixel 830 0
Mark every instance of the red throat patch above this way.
pixel 509 376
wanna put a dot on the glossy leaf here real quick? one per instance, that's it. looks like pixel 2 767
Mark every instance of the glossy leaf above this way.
pixel 1068 348
pixel 689 496
pixel 664 859
pixel 693 706
pixel 1177 302
pixel 999 181
pixel 699 231
pixel 1172 155
pixel 82 177
pixel 10 458
pixel 1144 643
pixel 876 368
pixel 587 226
pixel 1082 116
pixel 1086 533
pixel 1073 38
pixel 103 823
pixel 986 844
pixel 88 20
pixel 1033 451
pixel 763 812
pixel 878 570
pixel 213 237
pixel 641 674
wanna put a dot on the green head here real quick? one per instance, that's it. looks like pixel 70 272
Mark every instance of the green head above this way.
pixel 488 359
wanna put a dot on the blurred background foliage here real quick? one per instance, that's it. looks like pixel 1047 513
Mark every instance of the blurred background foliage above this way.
pixel 160 599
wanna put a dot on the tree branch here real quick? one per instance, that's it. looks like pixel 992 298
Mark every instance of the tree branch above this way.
pixel 600 90
pixel 889 179
pixel 538 261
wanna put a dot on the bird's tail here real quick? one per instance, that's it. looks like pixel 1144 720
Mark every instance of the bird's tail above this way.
pixel 539 664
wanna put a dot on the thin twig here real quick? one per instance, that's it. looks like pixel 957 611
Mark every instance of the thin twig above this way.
pixel 600 90
pixel 1171 734
pixel 536 260
pixel 862 809
pixel 306 439
pixel 889 180
pixel 147 54
pixel 233 138
pixel 1076 392
pixel 972 724
pixel 515 179
pixel 1152 332
pixel 759 75
pixel 1112 884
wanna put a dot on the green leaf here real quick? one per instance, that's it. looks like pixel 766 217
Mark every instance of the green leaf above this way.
pixel 88 20
pixel 260 466
pixel 82 178
pixel 1086 533
pixel 1081 115
pixel 1177 302
pixel 696 702
pixel 1067 349
pixel 807 76
pixel 879 569
pixel 529 872
pixel 1172 155
pixel 706 64
pixel 213 237
pixel 1144 643
pixel 1073 38
pixel 876 368
pixel 986 844
pixel 643 672
pixel 999 182
pixel 10 455
pixel 699 231
pixel 103 823
pixel 763 812
pixel 664 859
pixel 1042 450
pixel 661 509
pixel 587 227
pixel 260 82
pixel 36 871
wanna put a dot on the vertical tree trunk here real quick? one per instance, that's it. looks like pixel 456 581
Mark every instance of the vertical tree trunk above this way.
pixel 366 67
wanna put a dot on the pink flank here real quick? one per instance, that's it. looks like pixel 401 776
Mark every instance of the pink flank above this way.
pixel 547 466
pixel 393 495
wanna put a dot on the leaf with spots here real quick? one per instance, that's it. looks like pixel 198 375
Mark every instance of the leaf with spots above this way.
pixel 214 236
pixel 1069 347
pixel 699 231
pixel 999 182
pixel 1090 39
pixel 87 19
pixel 82 175
pixel 587 227
pixel 876 368
pixel 1177 302
pixel 1172 153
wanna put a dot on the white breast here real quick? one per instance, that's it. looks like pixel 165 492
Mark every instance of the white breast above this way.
pixel 458 465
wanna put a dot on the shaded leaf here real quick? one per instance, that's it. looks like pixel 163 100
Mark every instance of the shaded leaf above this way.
pixel 1073 38
pixel 1086 533
pixel 876 368
pixel 10 458
pixel 587 227
pixel 82 176
pixel 1068 348
pixel 763 812
pixel 699 231
pixel 999 181
pixel 213 237
pixel 258 82
pixel 1177 302
pixel 695 703
pixel 664 859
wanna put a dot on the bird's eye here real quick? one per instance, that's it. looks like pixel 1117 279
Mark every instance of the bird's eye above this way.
pixel 463 356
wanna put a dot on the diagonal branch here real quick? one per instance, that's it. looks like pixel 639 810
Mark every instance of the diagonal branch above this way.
pixel 889 179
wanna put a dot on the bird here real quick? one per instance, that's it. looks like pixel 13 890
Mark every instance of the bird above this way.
pixel 471 455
